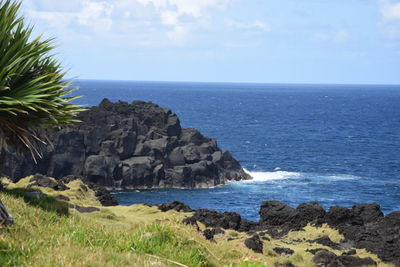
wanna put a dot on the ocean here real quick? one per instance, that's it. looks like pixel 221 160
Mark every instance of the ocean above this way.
pixel 335 144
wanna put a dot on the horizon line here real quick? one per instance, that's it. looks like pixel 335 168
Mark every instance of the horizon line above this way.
pixel 254 83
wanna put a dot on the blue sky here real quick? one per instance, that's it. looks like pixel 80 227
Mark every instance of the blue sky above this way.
pixel 266 41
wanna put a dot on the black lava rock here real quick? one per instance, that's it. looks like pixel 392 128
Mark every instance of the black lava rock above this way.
pixel 131 146
pixel 44 181
pixel 254 243
pixel 175 205
pixel 283 251
pixel 210 233
pixel 363 226
pixel 63 198
pixel 288 264
pixel 326 241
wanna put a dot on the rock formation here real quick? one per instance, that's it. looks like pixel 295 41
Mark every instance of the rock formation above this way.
pixel 363 227
pixel 132 146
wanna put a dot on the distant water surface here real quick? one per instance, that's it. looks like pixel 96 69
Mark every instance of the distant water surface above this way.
pixel 336 144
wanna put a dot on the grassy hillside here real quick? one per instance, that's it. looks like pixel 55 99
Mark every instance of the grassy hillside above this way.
pixel 47 233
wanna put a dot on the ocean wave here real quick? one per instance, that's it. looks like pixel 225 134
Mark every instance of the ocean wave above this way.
pixel 269 176
pixel 279 174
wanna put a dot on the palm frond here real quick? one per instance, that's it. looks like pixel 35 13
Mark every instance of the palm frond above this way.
pixel 34 93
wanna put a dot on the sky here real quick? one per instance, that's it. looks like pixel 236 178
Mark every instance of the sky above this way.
pixel 260 41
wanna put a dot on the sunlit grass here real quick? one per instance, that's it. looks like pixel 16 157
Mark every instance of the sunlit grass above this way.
pixel 46 233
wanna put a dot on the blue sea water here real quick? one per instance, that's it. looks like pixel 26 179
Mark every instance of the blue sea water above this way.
pixel 336 144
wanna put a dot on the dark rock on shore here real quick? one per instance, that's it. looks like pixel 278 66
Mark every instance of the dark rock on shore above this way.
pixel 210 233
pixel 132 146
pixel 175 205
pixel 363 226
pixel 254 243
pixel 225 220
pixel 275 213
pixel 327 258
pixel 44 181
pixel 326 241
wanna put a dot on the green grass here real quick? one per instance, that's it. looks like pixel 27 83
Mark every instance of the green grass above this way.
pixel 45 202
pixel 45 233
pixel 164 241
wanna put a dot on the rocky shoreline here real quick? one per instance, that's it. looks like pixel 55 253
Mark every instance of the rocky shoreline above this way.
pixel 125 146
pixel 363 227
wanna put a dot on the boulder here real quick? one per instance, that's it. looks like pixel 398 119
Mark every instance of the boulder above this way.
pixel 210 233
pixel 275 213
pixel 131 146
pixel 44 181
pixel 254 243
pixel 283 251
pixel 175 205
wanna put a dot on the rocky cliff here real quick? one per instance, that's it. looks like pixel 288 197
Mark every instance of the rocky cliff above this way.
pixel 132 146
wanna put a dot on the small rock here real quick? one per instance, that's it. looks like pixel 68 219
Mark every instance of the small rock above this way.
pixel 210 233
pixel 314 251
pixel 63 198
pixel 349 253
pixel 44 181
pixel 350 261
pixel 175 205
pixel 283 251
pixel 84 209
pixel 288 264
pixel 326 241
pixel 254 243
pixel 324 257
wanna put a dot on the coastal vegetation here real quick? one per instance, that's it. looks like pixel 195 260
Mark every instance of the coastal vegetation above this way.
pixel 48 233
pixel 33 90
pixel 72 222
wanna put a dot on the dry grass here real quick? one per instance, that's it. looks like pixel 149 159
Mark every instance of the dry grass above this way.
pixel 135 235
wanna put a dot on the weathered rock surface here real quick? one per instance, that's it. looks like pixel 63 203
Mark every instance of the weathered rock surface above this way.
pixel 329 259
pixel 254 243
pixel 283 251
pixel 132 146
pixel 210 233
pixel 175 205
pixel 44 181
pixel 363 226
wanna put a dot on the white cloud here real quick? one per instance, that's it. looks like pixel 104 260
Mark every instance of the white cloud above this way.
pixel 389 10
pixel 195 8
pixel 94 15
pixel 258 25
pixel 138 22
pixel 173 12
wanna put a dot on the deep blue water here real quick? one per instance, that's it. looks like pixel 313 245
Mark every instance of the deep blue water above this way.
pixel 336 144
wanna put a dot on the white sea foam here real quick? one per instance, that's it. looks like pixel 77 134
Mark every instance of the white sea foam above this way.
pixel 278 174
pixel 269 176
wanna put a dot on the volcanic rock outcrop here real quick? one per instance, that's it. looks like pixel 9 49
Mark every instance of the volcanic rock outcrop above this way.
pixel 363 226
pixel 132 146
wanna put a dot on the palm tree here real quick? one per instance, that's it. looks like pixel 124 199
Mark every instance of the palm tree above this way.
pixel 34 95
